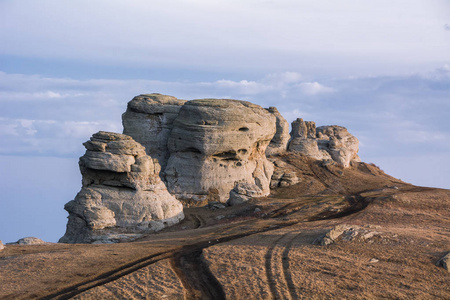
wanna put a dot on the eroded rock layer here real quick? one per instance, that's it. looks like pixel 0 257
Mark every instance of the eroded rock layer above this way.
pixel 280 140
pixel 324 143
pixel 217 144
pixel 149 120
pixel 122 194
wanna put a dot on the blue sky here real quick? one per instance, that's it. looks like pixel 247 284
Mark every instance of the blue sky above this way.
pixel 68 69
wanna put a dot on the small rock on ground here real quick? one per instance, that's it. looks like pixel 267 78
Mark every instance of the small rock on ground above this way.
pixel 444 262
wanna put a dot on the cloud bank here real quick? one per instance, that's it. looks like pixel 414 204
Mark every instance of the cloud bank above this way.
pixel 340 37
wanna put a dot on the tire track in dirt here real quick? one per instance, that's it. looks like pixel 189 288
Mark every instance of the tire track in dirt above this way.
pixel 191 255
pixel 195 275
pixel 112 275
pixel 287 269
pixel 272 279
pixel 117 273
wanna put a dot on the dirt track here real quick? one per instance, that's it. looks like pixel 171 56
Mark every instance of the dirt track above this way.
pixel 264 253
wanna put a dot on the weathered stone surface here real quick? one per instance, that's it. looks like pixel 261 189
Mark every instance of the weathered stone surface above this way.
pixel 346 232
pixel 149 120
pixel 444 262
pixel 280 140
pixel 303 139
pixel 29 241
pixel 342 146
pixel 283 175
pixel 242 192
pixel 324 143
pixel 122 193
pixel 1 246
pixel 216 144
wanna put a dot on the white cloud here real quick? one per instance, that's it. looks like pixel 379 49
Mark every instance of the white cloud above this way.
pixel 283 78
pixel 394 111
pixel 314 88
pixel 344 36
pixel 243 87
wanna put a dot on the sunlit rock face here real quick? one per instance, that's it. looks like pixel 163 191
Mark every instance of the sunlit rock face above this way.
pixel 339 143
pixel 149 120
pixel 122 194
pixel 324 142
pixel 215 145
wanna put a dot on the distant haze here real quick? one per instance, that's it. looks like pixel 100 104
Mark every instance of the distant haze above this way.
pixel 68 69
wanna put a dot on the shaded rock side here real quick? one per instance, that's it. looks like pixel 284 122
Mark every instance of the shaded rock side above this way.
pixel 280 140
pixel 149 120
pixel 283 175
pixel 324 142
pixel 444 262
pixel 216 144
pixel 121 195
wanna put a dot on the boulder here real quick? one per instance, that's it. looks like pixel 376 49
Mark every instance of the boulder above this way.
pixel 280 140
pixel 284 175
pixel 29 241
pixel 444 262
pixel 149 120
pixel 1 246
pixel 216 144
pixel 347 233
pixel 122 194
pixel 242 192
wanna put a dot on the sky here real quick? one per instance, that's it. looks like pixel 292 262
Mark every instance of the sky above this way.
pixel 68 68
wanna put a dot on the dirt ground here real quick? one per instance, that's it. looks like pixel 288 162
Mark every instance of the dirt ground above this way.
pixel 268 248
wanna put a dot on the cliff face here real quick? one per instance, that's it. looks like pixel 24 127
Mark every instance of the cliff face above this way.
pixel 196 152
pixel 216 145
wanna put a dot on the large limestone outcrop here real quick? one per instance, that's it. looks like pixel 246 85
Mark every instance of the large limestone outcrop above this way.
pixel 216 145
pixel 324 142
pixel 280 140
pixel 149 120
pixel 122 193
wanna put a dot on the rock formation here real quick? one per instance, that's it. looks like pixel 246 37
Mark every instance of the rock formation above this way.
pixel 339 143
pixel 444 262
pixel 347 232
pixel 280 140
pixel 217 144
pixel 283 175
pixel 149 120
pixel 1 246
pixel 324 143
pixel 29 241
pixel 121 194
pixel 199 151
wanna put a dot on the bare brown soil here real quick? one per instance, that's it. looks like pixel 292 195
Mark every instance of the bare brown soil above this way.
pixel 263 249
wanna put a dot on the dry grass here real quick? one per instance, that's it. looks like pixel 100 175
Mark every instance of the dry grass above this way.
pixel 268 253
